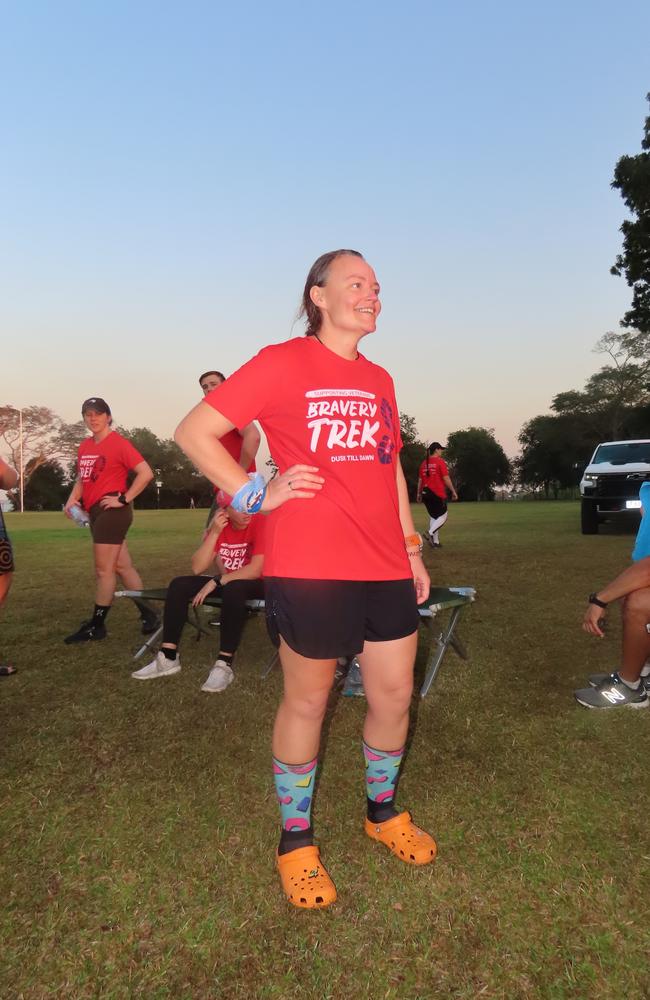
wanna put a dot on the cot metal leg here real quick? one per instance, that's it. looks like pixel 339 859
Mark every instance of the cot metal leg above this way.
pixel 444 640
pixel 149 643
pixel 268 667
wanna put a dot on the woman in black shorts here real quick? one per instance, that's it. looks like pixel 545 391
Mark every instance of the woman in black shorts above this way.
pixel 104 461
pixel 8 479
pixel 343 567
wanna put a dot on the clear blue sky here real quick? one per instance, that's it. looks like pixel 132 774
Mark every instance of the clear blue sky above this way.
pixel 169 171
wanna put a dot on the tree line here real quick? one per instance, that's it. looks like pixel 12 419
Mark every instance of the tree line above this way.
pixel 555 447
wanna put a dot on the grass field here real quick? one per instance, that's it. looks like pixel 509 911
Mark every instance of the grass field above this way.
pixel 139 821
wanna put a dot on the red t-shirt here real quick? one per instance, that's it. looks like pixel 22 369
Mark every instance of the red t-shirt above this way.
pixel 233 442
pixel 431 474
pixel 103 467
pixel 319 409
pixel 236 547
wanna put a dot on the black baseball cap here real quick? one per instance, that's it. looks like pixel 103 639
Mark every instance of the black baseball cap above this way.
pixel 435 445
pixel 97 404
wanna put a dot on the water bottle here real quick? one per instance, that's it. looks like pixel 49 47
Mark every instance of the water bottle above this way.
pixel 79 516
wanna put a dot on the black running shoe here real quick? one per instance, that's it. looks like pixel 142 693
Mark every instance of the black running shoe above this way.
pixel 87 632
pixel 150 623
pixel 612 693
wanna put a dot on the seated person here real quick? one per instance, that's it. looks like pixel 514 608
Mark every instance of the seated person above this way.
pixel 629 685
pixel 234 544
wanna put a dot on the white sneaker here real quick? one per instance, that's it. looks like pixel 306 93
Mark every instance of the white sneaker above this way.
pixel 219 677
pixel 160 667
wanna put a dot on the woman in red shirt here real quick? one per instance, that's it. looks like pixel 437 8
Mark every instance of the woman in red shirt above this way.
pixel 343 567
pixel 104 461
pixel 234 546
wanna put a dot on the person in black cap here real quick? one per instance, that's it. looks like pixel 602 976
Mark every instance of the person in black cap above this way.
pixel 433 482
pixel 104 461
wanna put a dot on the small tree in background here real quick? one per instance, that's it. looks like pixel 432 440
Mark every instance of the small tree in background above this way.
pixel 46 438
pixel 478 463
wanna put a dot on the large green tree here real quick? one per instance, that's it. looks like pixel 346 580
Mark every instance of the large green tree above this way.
pixel 45 438
pixel 180 480
pixel 478 463
pixel 632 179
pixel 555 450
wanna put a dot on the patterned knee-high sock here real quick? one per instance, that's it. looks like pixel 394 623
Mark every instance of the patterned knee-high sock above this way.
pixel 294 784
pixel 382 772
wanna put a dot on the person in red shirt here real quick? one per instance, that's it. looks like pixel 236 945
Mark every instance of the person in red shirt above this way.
pixel 104 461
pixel 243 445
pixel 234 545
pixel 343 566
pixel 433 482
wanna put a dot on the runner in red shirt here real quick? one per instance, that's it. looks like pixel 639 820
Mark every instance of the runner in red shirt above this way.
pixel 433 482
pixel 234 545
pixel 343 567
pixel 241 445
pixel 103 463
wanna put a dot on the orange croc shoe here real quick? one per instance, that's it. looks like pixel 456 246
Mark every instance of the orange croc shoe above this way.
pixel 406 840
pixel 304 879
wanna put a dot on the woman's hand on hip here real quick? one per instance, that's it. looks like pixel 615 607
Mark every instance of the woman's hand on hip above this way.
pixel 108 503
pixel 300 482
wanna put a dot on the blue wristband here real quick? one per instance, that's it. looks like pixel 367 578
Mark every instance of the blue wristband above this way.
pixel 249 498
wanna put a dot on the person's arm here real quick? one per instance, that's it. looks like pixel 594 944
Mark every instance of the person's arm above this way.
pixel 252 571
pixel 250 444
pixel 420 486
pixel 198 435
pixel 8 476
pixel 143 476
pixel 420 575
pixel 74 498
pixel 450 486
pixel 205 555
pixel 635 577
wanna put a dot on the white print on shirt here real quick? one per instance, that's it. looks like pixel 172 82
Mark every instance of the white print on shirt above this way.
pixel 233 555
pixel 338 421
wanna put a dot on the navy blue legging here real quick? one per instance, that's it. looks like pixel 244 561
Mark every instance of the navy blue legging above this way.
pixel 233 609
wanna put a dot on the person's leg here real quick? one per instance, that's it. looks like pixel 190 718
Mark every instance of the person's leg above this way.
pixel 6 669
pixel 5 586
pixel 296 738
pixel 636 641
pixel 126 570
pixel 296 735
pixel 387 670
pixel 233 613
pixel 435 525
pixel 180 592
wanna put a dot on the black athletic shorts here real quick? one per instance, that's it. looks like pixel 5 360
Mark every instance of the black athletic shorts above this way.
pixel 436 506
pixel 109 527
pixel 323 619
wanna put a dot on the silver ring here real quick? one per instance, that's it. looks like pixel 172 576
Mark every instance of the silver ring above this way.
pixel 290 486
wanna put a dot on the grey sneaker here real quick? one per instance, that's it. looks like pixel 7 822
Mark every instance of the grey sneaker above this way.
pixel 219 678
pixel 596 679
pixel 160 667
pixel 612 693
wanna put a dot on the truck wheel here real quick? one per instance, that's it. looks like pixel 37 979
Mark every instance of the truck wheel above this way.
pixel 589 517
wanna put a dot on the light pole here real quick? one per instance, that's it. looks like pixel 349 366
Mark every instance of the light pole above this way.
pixel 158 488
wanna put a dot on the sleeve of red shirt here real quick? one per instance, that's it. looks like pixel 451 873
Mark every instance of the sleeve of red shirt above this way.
pixel 444 471
pixel 130 455
pixel 245 394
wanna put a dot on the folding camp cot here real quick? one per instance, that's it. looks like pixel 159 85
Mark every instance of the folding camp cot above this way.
pixel 453 599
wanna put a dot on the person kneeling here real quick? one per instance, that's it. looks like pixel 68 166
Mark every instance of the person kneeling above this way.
pixel 234 543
